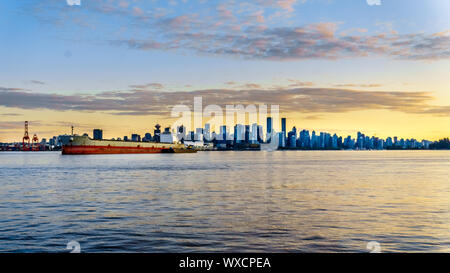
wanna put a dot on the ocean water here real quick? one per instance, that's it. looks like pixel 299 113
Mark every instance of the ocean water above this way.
pixel 292 201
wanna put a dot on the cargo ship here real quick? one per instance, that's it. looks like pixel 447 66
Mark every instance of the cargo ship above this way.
pixel 81 145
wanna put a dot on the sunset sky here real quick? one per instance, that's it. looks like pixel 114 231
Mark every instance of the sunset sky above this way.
pixel 341 66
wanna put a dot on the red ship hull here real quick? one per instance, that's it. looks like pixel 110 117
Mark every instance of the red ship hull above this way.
pixel 83 150
pixel 83 145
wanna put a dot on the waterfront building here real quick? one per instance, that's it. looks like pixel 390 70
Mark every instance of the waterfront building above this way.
pixel 157 133
pixel 239 133
pixel 198 134
pixel 260 134
pixel 334 142
pixel 147 137
pixel 181 133
pixel 269 128
pixel 292 139
pixel 135 137
pixel 98 134
pixel 254 134
pixel 223 133
pixel 207 132
pixel 247 134
pixel 282 140
pixel 166 136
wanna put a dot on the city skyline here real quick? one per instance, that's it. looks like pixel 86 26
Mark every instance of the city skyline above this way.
pixel 331 66
pixel 243 136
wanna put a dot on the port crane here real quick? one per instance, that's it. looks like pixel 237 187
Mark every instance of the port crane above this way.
pixel 26 137
pixel 26 145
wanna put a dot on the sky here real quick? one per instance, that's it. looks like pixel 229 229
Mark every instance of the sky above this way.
pixel 341 66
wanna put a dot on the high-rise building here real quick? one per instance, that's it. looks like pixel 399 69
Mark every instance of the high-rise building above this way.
pixel 254 134
pixel 314 140
pixel 98 134
pixel 260 134
pixel 135 137
pixel 282 140
pixel 283 127
pixel 166 136
pixel 181 133
pixel 292 141
pixel 269 128
pixel 239 133
pixel 199 134
pixel 334 142
pixel 207 132
pixel 247 134
pixel 157 133
pixel 223 133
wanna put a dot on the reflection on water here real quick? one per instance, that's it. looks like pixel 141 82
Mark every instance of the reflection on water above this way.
pixel 226 201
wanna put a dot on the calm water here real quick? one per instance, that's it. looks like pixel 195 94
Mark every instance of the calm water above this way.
pixel 226 201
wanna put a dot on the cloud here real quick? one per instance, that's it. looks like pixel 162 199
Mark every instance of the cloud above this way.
pixel 287 5
pixel 73 2
pixel 316 41
pixel 11 89
pixel 37 82
pixel 297 83
pixel 10 114
pixel 373 2
pixel 154 102
pixel 359 85
pixel 246 30
pixel 17 125
pixel 148 86
pixel 251 86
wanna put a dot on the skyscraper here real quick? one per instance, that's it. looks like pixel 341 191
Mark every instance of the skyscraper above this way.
pixel 223 133
pixel 283 127
pixel 254 134
pixel 135 137
pixel 269 128
pixel 239 133
pixel 199 134
pixel 157 133
pixel 247 133
pixel 207 132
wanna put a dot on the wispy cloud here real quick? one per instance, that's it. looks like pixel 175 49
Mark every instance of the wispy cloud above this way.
pixel 37 82
pixel 148 86
pixel 10 114
pixel 370 85
pixel 242 30
pixel 297 83
pixel 300 43
pixel 302 100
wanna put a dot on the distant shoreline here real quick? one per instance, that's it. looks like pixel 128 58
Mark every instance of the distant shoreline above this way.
pixel 255 150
